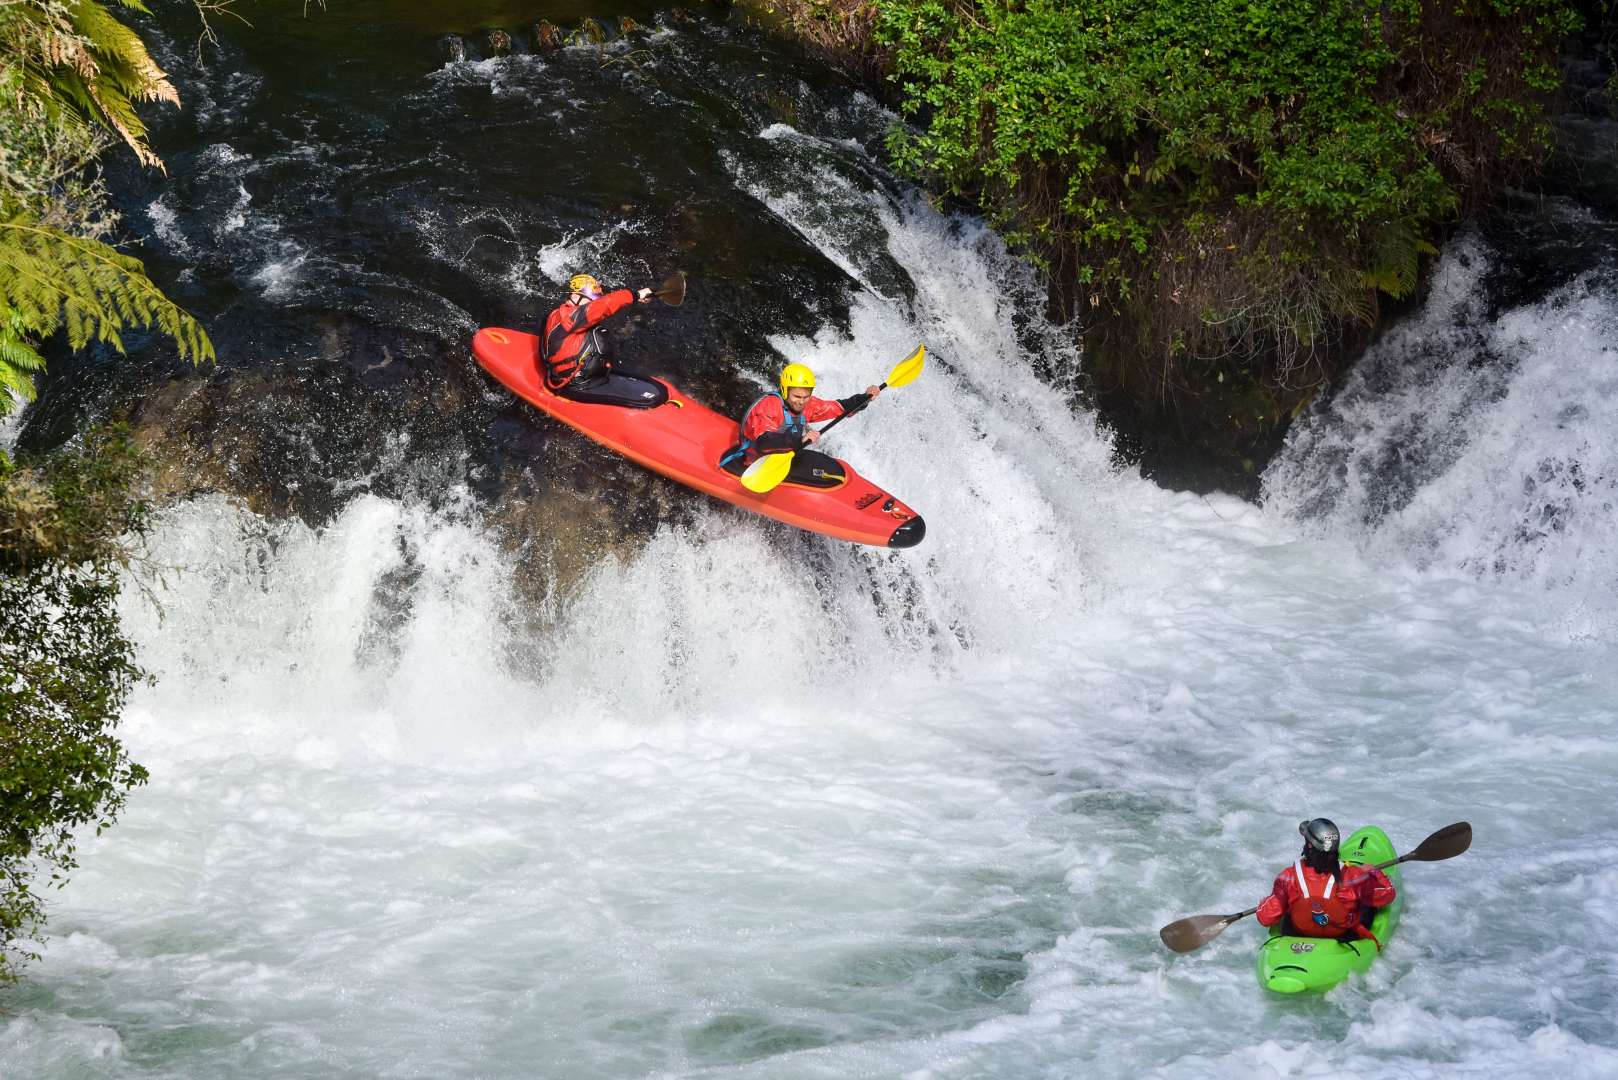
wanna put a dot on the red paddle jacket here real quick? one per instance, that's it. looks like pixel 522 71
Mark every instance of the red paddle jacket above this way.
pixel 1322 907
pixel 571 341
pixel 769 427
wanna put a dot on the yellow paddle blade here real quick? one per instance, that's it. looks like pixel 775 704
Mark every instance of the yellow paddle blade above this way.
pixel 767 472
pixel 906 370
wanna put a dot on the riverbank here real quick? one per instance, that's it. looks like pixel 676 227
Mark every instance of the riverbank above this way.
pixel 1227 227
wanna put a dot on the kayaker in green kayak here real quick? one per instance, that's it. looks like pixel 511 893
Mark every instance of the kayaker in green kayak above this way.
pixel 1318 896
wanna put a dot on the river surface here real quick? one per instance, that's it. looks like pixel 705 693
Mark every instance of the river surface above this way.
pixel 636 785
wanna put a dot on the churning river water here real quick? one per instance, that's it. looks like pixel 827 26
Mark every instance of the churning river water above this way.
pixel 641 786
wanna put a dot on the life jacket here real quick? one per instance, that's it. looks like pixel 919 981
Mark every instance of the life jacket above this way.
pixel 1326 915
pixel 566 352
pixel 747 450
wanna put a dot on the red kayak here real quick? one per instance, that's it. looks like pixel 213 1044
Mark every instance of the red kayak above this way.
pixel 684 441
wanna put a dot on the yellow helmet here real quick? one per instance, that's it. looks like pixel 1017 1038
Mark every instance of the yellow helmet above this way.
pixel 580 282
pixel 797 375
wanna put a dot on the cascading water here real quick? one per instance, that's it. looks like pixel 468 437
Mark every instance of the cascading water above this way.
pixel 1479 443
pixel 728 800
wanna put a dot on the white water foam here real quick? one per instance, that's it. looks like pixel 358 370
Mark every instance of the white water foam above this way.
pixel 11 421
pixel 749 803
pixel 1477 444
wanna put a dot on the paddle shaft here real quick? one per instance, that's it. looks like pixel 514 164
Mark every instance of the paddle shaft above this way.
pixel 851 412
pixel 1240 915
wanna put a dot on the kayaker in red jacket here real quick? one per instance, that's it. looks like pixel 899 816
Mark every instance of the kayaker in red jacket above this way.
pixel 574 354
pixel 776 423
pixel 1320 897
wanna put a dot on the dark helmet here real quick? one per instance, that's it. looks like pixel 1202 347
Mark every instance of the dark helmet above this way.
pixel 1320 835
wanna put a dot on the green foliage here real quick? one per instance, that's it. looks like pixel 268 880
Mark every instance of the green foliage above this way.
pixel 1223 171
pixel 67 667
pixel 50 280
pixel 70 77
pixel 51 169
pixel 72 71
pixel 74 62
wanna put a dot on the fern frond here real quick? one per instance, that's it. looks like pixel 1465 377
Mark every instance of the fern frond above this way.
pixel 122 55
pixel 78 59
pixel 18 362
pixel 51 281
pixel 1395 252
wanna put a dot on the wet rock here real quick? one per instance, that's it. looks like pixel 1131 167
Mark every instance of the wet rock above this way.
pixel 590 32
pixel 558 535
pixel 452 48
pixel 547 37
pixel 303 442
pixel 627 26
pixel 498 42
pixel 783 106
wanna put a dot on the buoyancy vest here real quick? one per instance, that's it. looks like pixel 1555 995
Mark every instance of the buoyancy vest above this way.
pixel 1325 915
pixel 566 351
pixel 747 450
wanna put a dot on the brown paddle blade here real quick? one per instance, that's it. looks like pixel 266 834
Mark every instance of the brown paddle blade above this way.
pixel 1197 930
pixel 1446 843
pixel 672 291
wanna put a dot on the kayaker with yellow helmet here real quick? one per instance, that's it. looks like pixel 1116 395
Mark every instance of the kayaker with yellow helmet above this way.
pixel 575 356
pixel 777 423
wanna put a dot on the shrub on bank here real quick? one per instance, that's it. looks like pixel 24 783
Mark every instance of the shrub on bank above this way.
pixel 66 667
pixel 1213 186
pixel 71 75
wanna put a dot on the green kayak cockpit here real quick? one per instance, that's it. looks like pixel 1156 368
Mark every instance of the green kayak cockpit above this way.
pixel 1289 964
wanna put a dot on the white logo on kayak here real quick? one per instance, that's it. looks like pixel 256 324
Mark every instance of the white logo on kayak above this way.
pixel 1303 946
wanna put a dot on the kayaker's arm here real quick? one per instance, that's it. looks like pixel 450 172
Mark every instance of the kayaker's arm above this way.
pixel 846 406
pixel 853 404
pixel 775 442
pixel 598 311
pixel 1377 890
pixel 819 409
pixel 1275 905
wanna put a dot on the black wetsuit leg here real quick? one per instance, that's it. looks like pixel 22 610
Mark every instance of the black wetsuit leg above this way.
pixel 616 388
pixel 811 468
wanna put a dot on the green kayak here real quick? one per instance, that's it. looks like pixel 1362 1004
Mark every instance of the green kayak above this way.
pixel 1296 965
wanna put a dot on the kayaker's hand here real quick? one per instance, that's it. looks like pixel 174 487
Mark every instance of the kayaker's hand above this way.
pixel 644 294
pixel 811 437
pixel 872 392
